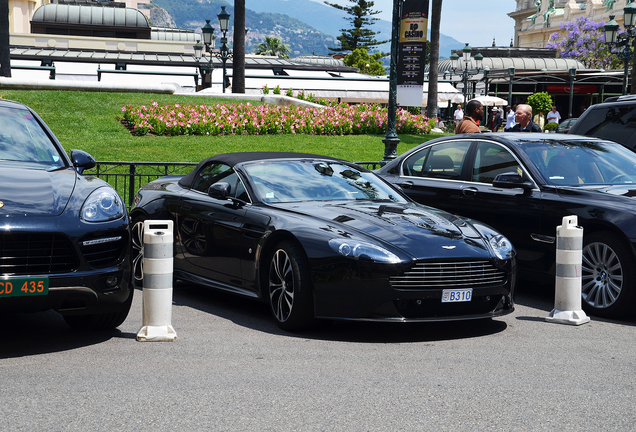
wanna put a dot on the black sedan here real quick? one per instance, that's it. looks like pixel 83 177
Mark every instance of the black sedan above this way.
pixel 64 236
pixel 317 237
pixel 565 126
pixel 523 185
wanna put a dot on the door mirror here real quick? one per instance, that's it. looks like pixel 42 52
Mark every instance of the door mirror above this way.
pixel 511 180
pixel 82 160
pixel 220 191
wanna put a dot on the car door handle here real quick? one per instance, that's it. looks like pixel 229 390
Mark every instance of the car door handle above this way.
pixel 470 191
pixel 406 184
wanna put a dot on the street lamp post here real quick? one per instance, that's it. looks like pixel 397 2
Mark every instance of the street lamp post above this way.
pixel 612 38
pixel 391 139
pixel 224 23
pixel 572 74
pixel 209 39
pixel 465 74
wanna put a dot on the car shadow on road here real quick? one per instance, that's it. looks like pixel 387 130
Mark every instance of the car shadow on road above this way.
pixel 256 316
pixel 28 334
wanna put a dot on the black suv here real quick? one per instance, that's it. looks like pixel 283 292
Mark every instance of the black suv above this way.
pixel 614 119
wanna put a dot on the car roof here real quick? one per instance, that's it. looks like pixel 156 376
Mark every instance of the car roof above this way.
pixel 233 159
pixel 525 137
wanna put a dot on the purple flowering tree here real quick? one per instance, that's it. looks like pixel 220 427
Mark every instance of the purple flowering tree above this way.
pixel 584 40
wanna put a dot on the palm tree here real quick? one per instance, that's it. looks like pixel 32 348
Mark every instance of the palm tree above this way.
pixel 273 46
pixel 436 19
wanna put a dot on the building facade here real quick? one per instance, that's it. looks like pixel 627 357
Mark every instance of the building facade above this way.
pixel 536 20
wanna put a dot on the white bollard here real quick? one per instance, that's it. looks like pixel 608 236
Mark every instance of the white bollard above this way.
pixel 567 290
pixel 157 291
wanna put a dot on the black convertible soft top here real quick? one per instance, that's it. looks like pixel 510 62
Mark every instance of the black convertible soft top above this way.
pixel 232 159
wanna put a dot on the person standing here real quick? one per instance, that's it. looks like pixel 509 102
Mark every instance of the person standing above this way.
pixel 497 120
pixel 474 112
pixel 510 119
pixel 554 116
pixel 523 117
pixel 539 119
pixel 459 114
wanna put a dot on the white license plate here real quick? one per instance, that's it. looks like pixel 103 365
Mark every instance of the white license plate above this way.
pixel 457 295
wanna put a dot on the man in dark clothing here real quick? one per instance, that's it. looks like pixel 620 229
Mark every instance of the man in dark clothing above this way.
pixel 523 117
pixel 497 121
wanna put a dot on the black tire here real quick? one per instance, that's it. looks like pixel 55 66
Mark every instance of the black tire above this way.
pixel 137 243
pixel 289 287
pixel 104 321
pixel 607 282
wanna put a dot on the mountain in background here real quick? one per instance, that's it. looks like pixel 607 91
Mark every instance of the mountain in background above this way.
pixel 331 21
pixel 308 27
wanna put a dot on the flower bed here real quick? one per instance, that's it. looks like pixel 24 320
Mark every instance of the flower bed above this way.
pixel 247 119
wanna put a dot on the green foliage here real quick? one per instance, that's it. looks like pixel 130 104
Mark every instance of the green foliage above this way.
pixel 368 64
pixel 265 89
pixel 273 46
pixel 550 126
pixel 276 90
pixel 360 36
pixel 540 102
pixel 289 92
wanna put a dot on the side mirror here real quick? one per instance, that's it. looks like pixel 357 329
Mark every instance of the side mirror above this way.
pixel 82 160
pixel 220 191
pixel 511 180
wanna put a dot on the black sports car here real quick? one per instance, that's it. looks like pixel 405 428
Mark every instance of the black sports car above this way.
pixel 523 185
pixel 318 237
pixel 64 237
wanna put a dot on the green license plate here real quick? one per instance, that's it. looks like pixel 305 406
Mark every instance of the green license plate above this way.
pixel 19 287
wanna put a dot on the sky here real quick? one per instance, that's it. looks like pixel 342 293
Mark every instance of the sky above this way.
pixel 475 22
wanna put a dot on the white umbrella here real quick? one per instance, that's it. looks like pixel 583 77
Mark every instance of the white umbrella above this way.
pixel 491 101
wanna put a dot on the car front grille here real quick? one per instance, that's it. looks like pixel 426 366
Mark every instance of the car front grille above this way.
pixel 103 252
pixel 36 253
pixel 439 275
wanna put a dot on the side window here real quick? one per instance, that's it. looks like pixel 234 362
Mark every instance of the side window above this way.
pixel 616 123
pixel 492 159
pixel 446 160
pixel 211 174
pixel 216 173
pixel 413 165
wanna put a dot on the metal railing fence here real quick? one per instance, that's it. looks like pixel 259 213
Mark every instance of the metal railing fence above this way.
pixel 128 177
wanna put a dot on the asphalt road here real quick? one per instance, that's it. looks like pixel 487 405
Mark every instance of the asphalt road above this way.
pixel 231 369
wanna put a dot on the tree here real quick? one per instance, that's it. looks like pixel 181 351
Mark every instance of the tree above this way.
pixel 273 46
pixel 584 41
pixel 360 36
pixel 540 102
pixel 5 49
pixel 368 64
pixel 238 57
pixel 433 75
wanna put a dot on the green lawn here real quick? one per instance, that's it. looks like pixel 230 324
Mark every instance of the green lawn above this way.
pixel 90 121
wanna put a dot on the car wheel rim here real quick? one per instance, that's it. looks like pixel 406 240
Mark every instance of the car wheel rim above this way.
pixel 602 278
pixel 138 250
pixel 194 238
pixel 281 285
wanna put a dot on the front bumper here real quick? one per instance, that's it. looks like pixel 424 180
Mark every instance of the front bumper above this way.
pixel 364 294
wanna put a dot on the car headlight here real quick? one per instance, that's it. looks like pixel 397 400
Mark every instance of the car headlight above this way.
pixel 102 205
pixel 501 246
pixel 361 250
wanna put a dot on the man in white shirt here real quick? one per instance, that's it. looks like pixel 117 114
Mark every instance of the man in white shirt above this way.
pixel 510 119
pixel 459 114
pixel 553 116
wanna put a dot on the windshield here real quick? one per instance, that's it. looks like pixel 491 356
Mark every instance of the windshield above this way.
pixel 307 180
pixel 23 141
pixel 579 163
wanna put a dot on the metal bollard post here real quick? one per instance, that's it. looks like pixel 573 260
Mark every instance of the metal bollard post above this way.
pixel 567 290
pixel 157 291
